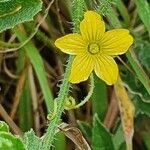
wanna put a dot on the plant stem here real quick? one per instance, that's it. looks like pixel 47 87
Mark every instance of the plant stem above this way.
pixel 49 135
pixel 8 45
pixel 89 94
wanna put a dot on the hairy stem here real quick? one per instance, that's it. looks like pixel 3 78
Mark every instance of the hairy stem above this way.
pixel 89 94
pixel 49 135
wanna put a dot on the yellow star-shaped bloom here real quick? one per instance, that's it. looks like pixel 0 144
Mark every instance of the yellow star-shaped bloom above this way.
pixel 94 49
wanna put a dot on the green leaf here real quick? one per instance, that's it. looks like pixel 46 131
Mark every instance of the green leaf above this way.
pixel 137 91
pixel 101 138
pixel 99 98
pixel 123 11
pixel 146 139
pixel 86 130
pixel 25 109
pixel 143 9
pixel 4 127
pixel 118 138
pixel 25 103
pixel 13 12
pixel 133 85
pixel 7 140
pixel 10 142
pixel 142 76
pixel 31 140
pixel 141 107
pixel 37 63
pixel 143 51
pixel 60 141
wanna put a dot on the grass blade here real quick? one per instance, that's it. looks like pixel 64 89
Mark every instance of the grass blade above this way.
pixel 38 66
pixel 143 9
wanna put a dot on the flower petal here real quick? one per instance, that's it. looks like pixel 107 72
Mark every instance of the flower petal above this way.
pixel 116 42
pixel 106 69
pixel 71 44
pixel 92 27
pixel 82 66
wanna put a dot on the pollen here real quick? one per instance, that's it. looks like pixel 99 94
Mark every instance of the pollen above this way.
pixel 93 48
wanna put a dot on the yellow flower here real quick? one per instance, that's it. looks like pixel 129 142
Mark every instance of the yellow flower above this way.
pixel 94 49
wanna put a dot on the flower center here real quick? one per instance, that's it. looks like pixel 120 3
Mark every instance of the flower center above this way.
pixel 93 48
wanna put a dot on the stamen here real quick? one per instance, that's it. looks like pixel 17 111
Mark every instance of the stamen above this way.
pixel 93 48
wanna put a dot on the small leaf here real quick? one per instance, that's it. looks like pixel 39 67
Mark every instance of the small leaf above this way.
pixel 101 138
pixel 143 51
pixel 99 98
pixel 10 142
pixel 31 140
pixel 141 107
pixel 146 139
pixel 60 141
pixel 134 86
pixel 13 12
pixel 138 93
pixel 86 129
pixel 4 127
pixel 7 140
pixel 118 138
